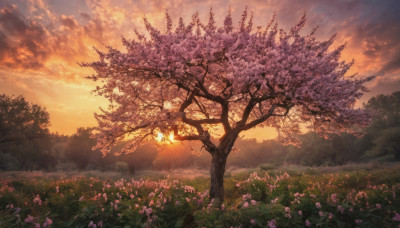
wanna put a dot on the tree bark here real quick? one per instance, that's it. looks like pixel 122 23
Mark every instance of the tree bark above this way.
pixel 217 171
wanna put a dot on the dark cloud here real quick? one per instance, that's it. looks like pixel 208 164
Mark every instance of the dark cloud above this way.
pixel 68 21
pixel 28 43
pixel 85 16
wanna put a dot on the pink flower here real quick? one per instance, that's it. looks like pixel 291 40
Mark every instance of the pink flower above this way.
pixel 272 223
pixel 341 209
pixel 253 202
pixel 307 223
pixel 300 212
pixel 48 222
pixel 246 205
pixel 29 219
pixel 318 205
pixel 358 221
pixel 132 196
pixel 223 207
pixel 287 209
pixel 100 224
pixel 37 225
pixel 396 217
pixel 149 211
pixel 378 206
pixel 321 213
pixel 253 222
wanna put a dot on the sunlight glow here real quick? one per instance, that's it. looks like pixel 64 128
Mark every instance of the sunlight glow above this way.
pixel 161 138
pixel 171 137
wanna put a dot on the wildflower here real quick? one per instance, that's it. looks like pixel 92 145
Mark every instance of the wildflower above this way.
pixel 132 196
pixel 318 205
pixel 177 202
pixel 247 196
pixel 149 211
pixel 321 213
pixel 272 223
pixel 330 216
pixel 81 198
pixel 92 225
pixel 358 221
pixel 275 200
pixel 307 223
pixel 48 222
pixel 17 210
pixel 37 225
pixel 378 206
pixel 57 189
pixel 29 219
pixel 396 217
pixel 341 209
pixel 253 202
pixel 300 212
pixel 334 197
pixel 100 224
pixel 287 209
pixel 246 205
pixel 223 207
pixel 253 222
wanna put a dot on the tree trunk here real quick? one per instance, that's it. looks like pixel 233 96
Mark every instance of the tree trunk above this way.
pixel 217 176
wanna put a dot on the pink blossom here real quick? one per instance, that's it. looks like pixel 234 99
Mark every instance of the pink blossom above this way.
pixel 253 202
pixel 321 213
pixel 307 223
pixel 378 206
pixel 300 212
pixel 29 219
pixel 246 205
pixel 358 221
pixel 287 209
pixel 253 222
pixel 272 223
pixel 318 205
pixel 396 217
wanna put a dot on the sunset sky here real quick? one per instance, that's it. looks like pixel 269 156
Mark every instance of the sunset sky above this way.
pixel 42 42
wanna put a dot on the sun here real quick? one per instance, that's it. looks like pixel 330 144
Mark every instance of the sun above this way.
pixel 161 138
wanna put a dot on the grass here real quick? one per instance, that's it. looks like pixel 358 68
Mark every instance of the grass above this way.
pixel 359 195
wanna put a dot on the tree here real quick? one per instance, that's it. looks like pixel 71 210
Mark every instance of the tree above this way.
pixel 24 132
pixel 79 148
pixel 385 127
pixel 199 77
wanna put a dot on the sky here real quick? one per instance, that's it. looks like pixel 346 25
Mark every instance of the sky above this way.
pixel 42 43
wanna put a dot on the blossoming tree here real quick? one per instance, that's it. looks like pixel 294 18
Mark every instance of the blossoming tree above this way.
pixel 198 78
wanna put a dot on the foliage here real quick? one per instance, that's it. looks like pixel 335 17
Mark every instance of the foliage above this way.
pixel 263 199
pixel 199 76
pixel 24 133
pixel 79 148
pixel 385 127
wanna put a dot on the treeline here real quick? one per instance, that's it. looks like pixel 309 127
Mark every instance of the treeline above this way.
pixel 27 144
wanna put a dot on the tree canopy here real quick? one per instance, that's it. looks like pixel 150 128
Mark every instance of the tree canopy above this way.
pixel 199 76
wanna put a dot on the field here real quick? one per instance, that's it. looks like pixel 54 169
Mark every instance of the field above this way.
pixel 267 197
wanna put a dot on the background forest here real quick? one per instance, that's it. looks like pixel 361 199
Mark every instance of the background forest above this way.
pixel 27 144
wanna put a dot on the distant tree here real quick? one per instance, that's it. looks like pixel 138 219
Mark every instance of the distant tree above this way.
pixel 385 127
pixel 198 77
pixel 173 156
pixel 79 148
pixel 142 158
pixel 24 132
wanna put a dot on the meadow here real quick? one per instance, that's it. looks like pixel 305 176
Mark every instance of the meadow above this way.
pixel 359 196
